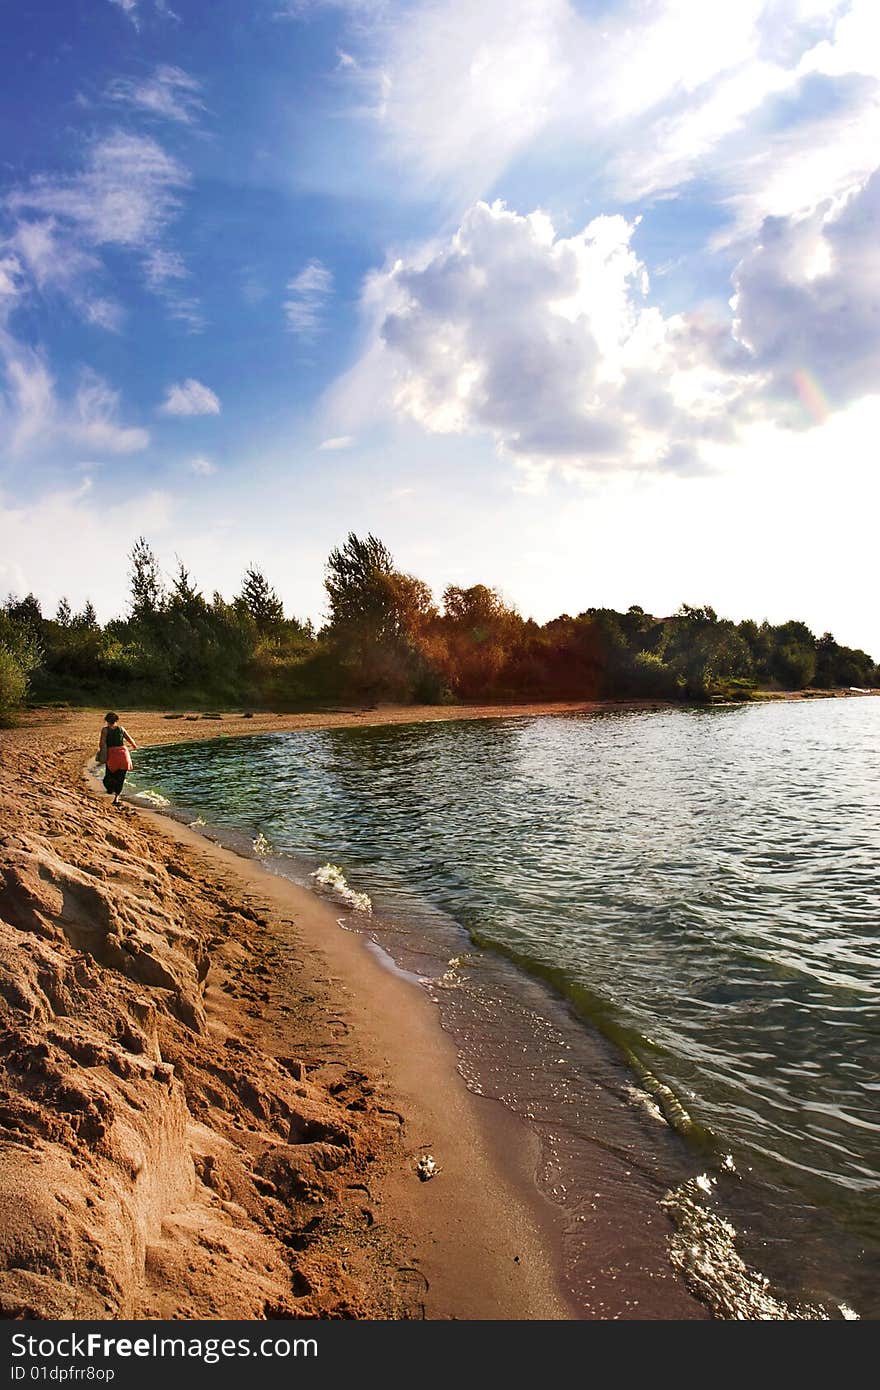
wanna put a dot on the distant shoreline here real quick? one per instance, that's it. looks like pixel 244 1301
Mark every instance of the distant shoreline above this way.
pixel 157 725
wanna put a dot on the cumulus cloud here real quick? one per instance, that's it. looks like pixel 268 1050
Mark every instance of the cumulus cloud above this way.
pixel 307 293
pixel 545 342
pixel 550 343
pixel 807 305
pixel 170 94
pixel 190 397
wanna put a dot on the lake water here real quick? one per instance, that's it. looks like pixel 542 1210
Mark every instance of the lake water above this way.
pixel 625 916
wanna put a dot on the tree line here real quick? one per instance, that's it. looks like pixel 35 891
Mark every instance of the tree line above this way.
pixel 387 638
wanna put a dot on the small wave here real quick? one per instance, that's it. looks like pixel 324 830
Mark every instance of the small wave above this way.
pixel 330 879
pixel 152 798
pixel 451 978
pixel 703 1252
pixel 645 1101
pixel 670 1106
pixel 262 846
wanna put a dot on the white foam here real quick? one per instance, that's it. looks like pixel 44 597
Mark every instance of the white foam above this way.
pixel 152 798
pixel 262 846
pixel 330 879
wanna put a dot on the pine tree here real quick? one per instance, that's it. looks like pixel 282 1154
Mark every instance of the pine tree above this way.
pixel 88 618
pixel 147 597
pixel 260 600
pixel 63 615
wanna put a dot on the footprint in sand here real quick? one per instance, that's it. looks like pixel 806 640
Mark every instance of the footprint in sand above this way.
pixel 412 1286
pixel 392 1118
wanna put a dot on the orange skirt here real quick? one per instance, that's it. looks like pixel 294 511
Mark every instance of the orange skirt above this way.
pixel 118 759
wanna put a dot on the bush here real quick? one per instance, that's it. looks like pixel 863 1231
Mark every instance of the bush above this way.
pixel 13 684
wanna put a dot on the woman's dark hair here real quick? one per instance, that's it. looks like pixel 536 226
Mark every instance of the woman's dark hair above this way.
pixel 111 718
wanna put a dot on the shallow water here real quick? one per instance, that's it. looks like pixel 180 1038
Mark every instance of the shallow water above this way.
pixel 700 888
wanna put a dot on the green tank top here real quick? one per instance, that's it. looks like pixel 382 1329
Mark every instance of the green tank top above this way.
pixel 115 736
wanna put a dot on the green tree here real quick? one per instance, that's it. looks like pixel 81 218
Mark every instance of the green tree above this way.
pixel 88 618
pixel 13 683
pixel 260 601
pixel 145 582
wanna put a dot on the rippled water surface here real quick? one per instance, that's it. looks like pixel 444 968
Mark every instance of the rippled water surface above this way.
pixel 701 886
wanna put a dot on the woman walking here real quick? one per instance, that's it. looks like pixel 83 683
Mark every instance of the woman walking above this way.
pixel 113 752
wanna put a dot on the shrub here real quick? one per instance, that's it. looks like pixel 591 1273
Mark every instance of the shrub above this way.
pixel 13 684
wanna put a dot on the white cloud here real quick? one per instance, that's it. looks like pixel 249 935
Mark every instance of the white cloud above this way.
pixel 342 441
pixel 635 100
pixel 546 343
pixel 131 9
pixel 190 397
pixel 170 93
pixel 307 293
pixel 51 262
pixel 202 467
pixel 165 271
pixel 32 418
pixel 807 305
pixel 550 346
pixel 124 196
pixel 11 282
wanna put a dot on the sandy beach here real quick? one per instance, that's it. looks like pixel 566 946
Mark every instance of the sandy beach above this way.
pixel 215 1098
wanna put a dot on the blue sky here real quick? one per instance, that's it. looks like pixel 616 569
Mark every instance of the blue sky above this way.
pixel 577 299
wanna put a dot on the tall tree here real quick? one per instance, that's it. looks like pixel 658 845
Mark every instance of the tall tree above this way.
pixel 147 594
pixel 378 617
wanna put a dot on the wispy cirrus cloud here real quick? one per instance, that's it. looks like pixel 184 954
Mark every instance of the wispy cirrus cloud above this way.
pixel 678 91
pixel 52 263
pixel 166 273
pixel 131 8
pixel 33 418
pixel 202 467
pixel 307 294
pixel 190 397
pixel 170 94
pixel 125 196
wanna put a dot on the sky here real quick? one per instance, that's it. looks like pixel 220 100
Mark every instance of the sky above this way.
pixel 579 299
